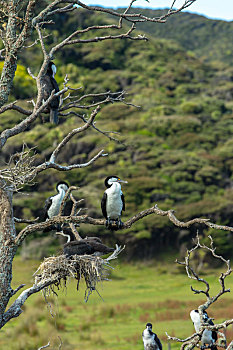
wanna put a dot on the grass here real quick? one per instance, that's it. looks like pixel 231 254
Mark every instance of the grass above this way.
pixel 157 292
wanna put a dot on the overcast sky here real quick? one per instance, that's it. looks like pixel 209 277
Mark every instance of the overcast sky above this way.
pixel 220 9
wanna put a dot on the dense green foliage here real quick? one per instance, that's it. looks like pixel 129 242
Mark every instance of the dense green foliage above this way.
pixel 176 150
pixel 208 38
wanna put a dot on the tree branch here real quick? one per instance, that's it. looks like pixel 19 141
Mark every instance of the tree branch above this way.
pixel 193 340
pixel 73 133
pixel 45 346
pixel 13 106
pixel 17 129
pixel 89 220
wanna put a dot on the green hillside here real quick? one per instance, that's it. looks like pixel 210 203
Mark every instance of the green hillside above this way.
pixel 176 149
pixel 208 38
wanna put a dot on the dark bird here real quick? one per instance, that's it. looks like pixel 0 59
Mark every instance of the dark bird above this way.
pixel 88 245
pixel 48 85
pixel 53 203
pixel 113 202
pixel 150 339
pixel 208 337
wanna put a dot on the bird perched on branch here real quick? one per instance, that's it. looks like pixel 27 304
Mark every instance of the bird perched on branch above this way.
pixel 48 85
pixel 208 337
pixel 53 203
pixel 150 339
pixel 113 202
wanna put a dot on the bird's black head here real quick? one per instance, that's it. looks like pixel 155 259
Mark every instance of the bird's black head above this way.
pixel 62 185
pixel 205 315
pixel 111 179
pixel 51 69
pixel 149 325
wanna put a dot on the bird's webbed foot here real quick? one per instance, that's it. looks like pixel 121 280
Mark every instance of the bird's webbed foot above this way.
pixel 108 222
pixel 119 223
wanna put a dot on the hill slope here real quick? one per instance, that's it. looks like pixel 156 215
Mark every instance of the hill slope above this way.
pixel 177 149
pixel 208 38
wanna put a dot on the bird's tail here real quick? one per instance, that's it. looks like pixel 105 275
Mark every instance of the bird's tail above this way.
pixel 54 116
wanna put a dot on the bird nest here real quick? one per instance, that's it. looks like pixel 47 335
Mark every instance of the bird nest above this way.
pixel 54 271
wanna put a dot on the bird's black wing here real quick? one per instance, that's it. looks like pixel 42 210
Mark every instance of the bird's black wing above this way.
pixel 158 341
pixel 214 335
pixel 99 247
pixel 54 84
pixel 103 205
pixel 54 104
pixel 123 201
pixel 47 204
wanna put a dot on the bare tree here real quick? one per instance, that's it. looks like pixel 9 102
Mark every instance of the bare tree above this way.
pixel 21 21
pixel 193 340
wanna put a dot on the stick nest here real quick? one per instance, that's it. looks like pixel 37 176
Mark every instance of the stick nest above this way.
pixel 54 271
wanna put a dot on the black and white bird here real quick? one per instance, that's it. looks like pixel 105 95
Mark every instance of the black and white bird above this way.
pixel 113 202
pixel 53 203
pixel 48 85
pixel 208 337
pixel 150 339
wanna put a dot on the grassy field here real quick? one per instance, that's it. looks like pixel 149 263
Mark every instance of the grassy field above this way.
pixel 156 292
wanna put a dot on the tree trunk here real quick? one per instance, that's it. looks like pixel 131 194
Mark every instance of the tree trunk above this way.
pixel 7 248
pixel 7 77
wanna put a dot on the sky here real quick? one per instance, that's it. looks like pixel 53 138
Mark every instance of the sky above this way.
pixel 217 9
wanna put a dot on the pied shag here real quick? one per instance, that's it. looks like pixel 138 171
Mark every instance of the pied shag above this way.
pixel 113 202
pixel 48 85
pixel 52 204
pixel 208 337
pixel 150 339
pixel 88 245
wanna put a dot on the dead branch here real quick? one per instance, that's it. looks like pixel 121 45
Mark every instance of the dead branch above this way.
pixel 45 346
pixel 17 129
pixel 137 17
pixel 73 133
pixel 17 289
pixel 67 195
pixel 26 221
pixel 89 220
pixel 193 340
pixel 15 107
pixel 193 275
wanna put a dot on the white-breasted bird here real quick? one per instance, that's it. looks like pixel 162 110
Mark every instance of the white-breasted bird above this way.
pixel 113 202
pixel 48 85
pixel 53 203
pixel 150 339
pixel 208 337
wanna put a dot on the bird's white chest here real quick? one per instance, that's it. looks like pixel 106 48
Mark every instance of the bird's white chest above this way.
pixel 148 340
pixel 56 203
pixel 207 334
pixel 207 337
pixel 114 203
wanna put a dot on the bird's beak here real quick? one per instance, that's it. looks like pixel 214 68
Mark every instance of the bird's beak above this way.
pixel 122 181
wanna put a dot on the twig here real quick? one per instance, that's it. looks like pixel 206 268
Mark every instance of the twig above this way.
pixel 45 346
pixel 192 341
